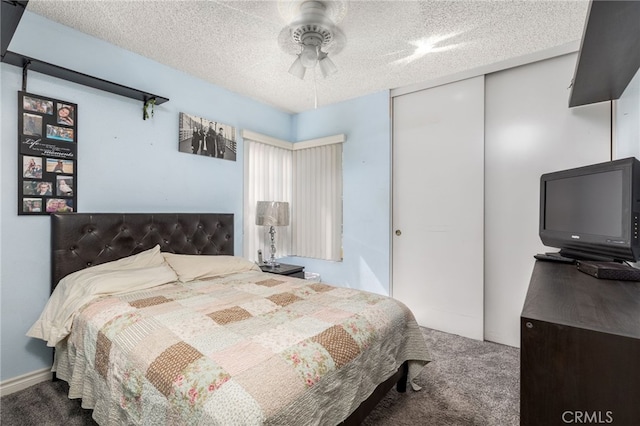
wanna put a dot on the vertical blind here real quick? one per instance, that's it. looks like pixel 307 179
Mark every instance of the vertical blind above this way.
pixel 268 177
pixel 309 176
pixel 317 202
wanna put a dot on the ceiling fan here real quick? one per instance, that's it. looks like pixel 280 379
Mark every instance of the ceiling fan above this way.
pixel 312 35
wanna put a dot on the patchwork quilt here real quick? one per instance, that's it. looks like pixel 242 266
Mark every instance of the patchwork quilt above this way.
pixel 244 349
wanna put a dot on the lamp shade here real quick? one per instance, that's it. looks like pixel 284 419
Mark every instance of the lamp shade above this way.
pixel 327 67
pixel 309 56
pixel 297 68
pixel 272 213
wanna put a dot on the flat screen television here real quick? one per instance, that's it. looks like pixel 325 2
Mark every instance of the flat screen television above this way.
pixel 591 212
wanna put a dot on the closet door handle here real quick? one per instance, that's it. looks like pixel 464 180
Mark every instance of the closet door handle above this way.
pixel 398 232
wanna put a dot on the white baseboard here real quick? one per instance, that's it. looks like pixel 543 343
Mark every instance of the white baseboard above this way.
pixel 22 382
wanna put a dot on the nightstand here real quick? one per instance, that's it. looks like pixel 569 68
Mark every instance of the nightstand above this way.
pixel 284 269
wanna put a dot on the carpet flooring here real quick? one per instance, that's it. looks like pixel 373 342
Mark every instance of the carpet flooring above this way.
pixel 468 383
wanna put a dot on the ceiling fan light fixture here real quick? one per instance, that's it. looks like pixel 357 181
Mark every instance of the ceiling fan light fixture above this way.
pixel 309 56
pixel 327 67
pixel 313 30
pixel 297 68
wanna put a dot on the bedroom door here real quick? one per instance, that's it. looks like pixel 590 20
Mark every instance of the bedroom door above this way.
pixel 438 206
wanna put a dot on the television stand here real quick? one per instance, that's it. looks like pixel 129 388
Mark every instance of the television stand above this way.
pixel 580 347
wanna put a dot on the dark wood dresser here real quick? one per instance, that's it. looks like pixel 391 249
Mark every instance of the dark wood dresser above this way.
pixel 580 349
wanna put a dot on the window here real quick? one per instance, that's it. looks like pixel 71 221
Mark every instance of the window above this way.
pixel 309 176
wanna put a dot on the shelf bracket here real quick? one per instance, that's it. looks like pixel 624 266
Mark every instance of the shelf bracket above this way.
pixel 25 68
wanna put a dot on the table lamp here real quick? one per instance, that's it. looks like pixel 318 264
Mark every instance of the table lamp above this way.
pixel 272 214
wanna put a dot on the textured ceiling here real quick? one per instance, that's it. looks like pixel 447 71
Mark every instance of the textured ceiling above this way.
pixel 238 44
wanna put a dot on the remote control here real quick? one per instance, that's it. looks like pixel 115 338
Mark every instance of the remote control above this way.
pixel 554 257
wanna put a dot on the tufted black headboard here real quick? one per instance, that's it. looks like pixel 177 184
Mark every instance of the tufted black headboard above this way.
pixel 79 240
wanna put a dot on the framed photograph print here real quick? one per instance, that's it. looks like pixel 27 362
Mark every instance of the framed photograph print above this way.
pixel 59 205
pixel 59 133
pixel 31 167
pixel 31 205
pixel 47 154
pixel 37 104
pixel 202 136
pixel 65 114
pixel 64 186
pixel 31 124
pixel 55 165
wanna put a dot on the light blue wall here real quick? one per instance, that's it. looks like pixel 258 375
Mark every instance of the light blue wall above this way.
pixel 127 164
pixel 366 189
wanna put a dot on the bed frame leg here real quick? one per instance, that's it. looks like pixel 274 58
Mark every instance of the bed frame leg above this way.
pixel 401 386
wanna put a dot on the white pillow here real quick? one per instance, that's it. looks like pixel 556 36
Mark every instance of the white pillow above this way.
pixel 75 290
pixel 151 257
pixel 193 267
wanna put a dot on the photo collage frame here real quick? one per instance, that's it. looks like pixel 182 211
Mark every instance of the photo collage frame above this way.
pixel 47 155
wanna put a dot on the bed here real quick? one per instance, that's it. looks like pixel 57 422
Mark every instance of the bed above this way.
pixel 204 337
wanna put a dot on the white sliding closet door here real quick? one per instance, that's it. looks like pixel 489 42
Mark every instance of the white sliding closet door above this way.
pixel 529 130
pixel 438 207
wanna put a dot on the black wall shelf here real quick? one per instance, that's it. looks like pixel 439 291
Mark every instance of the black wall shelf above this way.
pixel 610 52
pixel 80 78
pixel 11 14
